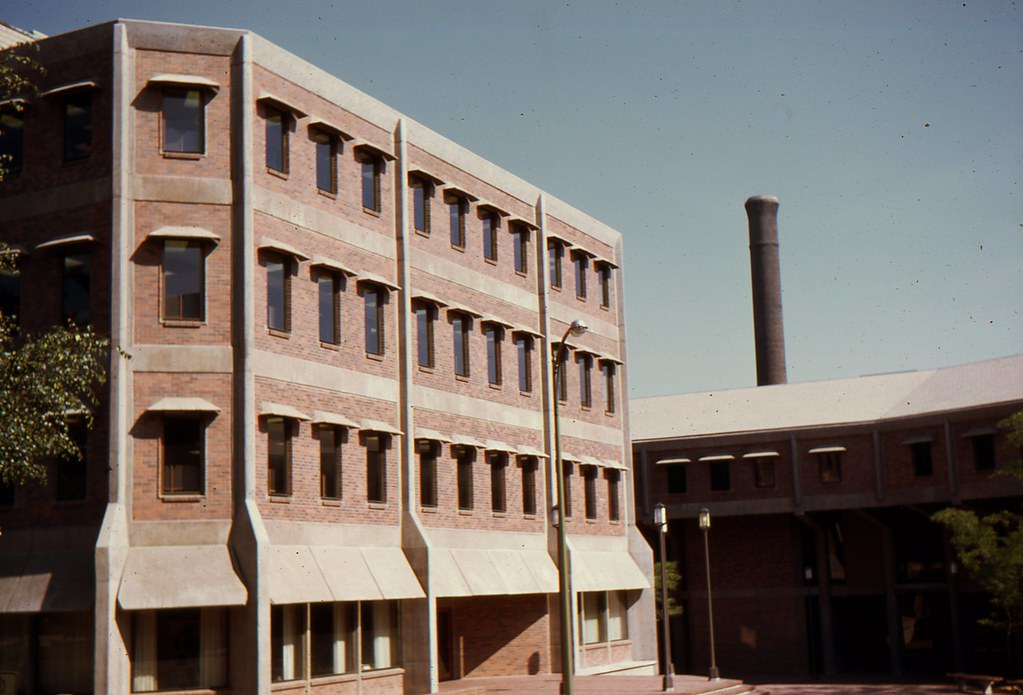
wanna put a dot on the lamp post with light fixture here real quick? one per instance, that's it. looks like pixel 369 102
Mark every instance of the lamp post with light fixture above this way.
pixel 558 518
pixel 705 527
pixel 661 521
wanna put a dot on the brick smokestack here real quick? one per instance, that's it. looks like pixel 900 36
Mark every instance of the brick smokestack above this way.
pixel 768 330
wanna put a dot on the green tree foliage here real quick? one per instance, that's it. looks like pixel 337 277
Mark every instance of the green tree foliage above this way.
pixel 17 67
pixel 673 577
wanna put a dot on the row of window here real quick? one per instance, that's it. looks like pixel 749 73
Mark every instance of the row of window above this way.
pixel 76 281
pixel 76 108
pixel 581 262
pixel 584 363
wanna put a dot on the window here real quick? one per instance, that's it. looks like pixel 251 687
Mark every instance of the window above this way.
pixel 328 286
pixel 984 452
pixel 720 476
pixel 829 466
pixel 461 325
pixel 76 288
pixel 490 225
pixel 287 642
pixel 12 141
pixel 555 254
pixel 426 314
pixel 277 123
pixel 184 455
pixel 603 616
pixel 677 483
pixel 464 456
pixel 566 477
pixel 923 466
pixel 78 126
pixel 372 167
pixel 528 466
pixel 582 264
pixel 562 385
pixel 498 466
pixel 6 493
pixel 184 121
pixel 183 280
pixel 179 649
pixel 380 637
pixel 607 367
pixel 427 451
pixel 278 464
pixel 604 274
pixel 590 491
pixel 376 467
pixel 524 349
pixel 278 292
pixel 763 471
pixel 71 470
pixel 330 461
pixel 494 334
pixel 614 510
pixel 326 161
pixel 585 387
pixel 10 291
pixel 458 208
pixel 520 244
pixel 332 638
pixel 374 319
pixel 422 193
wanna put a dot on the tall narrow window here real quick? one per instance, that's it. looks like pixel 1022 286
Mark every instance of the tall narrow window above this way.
pixel 555 254
pixel 923 466
pixel 585 386
pixel 183 280
pixel 422 193
pixel 608 369
pixel 12 141
pixel 380 636
pixel 520 242
pixel 326 161
pixel 72 470
pixel 498 466
pixel 461 326
pixel 464 456
pixel 426 314
pixel 528 466
pixel 524 349
pixel 374 319
pixel 677 482
pixel 582 264
pixel 562 385
pixel 10 291
pixel 593 606
pixel 458 208
pixel 184 121
pixel 184 455
pixel 983 452
pixel 829 466
pixel 376 467
pixel 287 642
pixel 78 126
pixel 720 476
pixel 604 274
pixel 332 629
pixel 614 510
pixel 490 225
pixel 617 624
pixel 278 465
pixel 372 167
pixel 330 462
pixel 763 471
pixel 566 469
pixel 590 491
pixel 77 286
pixel 278 292
pixel 494 335
pixel 178 649
pixel 276 140
pixel 427 451
pixel 328 285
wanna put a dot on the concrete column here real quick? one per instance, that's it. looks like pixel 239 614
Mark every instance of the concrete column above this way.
pixel 766 276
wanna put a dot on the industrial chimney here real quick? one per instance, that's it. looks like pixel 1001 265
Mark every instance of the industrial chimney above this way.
pixel 762 211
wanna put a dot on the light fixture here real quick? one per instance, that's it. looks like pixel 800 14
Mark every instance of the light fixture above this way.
pixel 704 519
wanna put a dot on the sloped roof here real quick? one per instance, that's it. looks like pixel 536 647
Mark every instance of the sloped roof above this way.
pixel 821 403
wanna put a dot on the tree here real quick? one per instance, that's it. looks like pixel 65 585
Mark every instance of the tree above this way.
pixel 673 577
pixel 990 549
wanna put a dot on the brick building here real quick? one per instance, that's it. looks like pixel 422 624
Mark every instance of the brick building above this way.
pixel 823 558
pixel 324 460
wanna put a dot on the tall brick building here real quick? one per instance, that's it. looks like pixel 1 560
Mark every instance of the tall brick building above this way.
pixel 324 459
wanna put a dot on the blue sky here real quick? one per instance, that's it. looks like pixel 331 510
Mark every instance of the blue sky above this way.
pixel 892 133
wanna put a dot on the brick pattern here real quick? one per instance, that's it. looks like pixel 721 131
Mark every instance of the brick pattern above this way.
pixel 498 636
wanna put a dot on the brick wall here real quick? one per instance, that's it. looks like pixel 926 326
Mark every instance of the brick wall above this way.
pixel 498 636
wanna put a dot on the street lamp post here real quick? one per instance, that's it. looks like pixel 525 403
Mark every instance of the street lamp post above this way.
pixel 661 521
pixel 705 527
pixel 564 579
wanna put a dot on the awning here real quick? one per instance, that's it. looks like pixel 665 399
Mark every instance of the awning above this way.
pixel 280 103
pixel 717 457
pixel 377 280
pixel 673 460
pixel 434 435
pixel 488 572
pixel 178 232
pixel 605 570
pixel 315 122
pixel 330 263
pixel 317 573
pixel 378 426
pixel 616 465
pixel 182 404
pixel 83 85
pixel 281 247
pixel 67 241
pixel 498 445
pixel 459 192
pixel 524 450
pixel 423 174
pixel 53 578
pixel 827 450
pixel 760 454
pixel 423 296
pixel 179 576
pixel 367 146
pixel 281 410
pixel 321 417
pixel 466 440
pixel 184 81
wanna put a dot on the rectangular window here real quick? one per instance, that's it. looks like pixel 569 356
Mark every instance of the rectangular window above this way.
pixel 490 225
pixel 78 126
pixel 590 491
pixel 498 466
pixel 278 292
pixel 330 462
pixel 458 208
pixel 494 334
pixel 376 468
pixel 520 242
pixel 582 264
pixel 380 636
pixel 614 510
pixel 566 478
pixel 427 451
pixel 677 483
pixel 10 292
pixel 524 349
pixel 923 466
pixel 422 192
pixel 183 280
pixel 555 253
pixel 331 638
pixel 617 624
pixel 528 466
pixel 984 452
pixel 287 642
pixel 461 325
pixel 425 316
pixel 585 386
pixel 604 274
pixel 371 169
pixel 763 471
pixel 76 288
pixel 329 289
pixel 12 141
pixel 326 161
pixel 184 455
pixel 276 140
pixel 179 649
pixel 71 471
pixel 594 616
pixel 562 385
pixel 720 476
pixel 278 464
pixel 608 369
pixel 184 121
pixel 464 456
pixel 829 466
pixel 374 319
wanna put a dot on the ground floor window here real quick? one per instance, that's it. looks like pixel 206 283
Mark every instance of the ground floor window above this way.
pixel 49 652
pixel 179 649
pixel 602 615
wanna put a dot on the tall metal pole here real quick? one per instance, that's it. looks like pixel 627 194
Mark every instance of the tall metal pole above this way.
pixel 705 526
pixel 669 668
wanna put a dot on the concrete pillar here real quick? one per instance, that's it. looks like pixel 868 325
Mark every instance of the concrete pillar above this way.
pixel 766 276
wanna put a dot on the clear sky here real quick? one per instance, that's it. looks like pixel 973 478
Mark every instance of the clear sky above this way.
pixel 892 133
